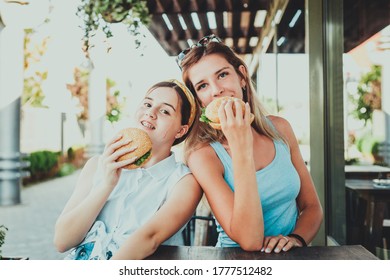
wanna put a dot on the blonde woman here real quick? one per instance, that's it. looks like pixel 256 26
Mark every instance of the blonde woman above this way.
pixel 253 175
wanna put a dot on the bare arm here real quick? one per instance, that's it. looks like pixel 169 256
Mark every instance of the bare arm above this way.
pixel 310 210
pixel 239 213
pixel 175 213
pixel 86 202
pixel 81 210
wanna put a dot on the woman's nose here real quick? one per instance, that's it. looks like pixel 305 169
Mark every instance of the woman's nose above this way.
pixel 150 113
pixel 217 89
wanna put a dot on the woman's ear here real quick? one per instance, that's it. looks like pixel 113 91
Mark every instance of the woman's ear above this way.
pixel 182 131
pixel 242 70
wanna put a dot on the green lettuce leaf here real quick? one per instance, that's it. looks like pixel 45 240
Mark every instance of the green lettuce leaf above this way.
pixel 203 117
pixel 142 159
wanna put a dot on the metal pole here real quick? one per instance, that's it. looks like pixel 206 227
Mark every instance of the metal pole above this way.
pixel 63 119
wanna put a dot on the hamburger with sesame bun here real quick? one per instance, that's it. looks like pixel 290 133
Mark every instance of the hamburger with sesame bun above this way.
pixel 140 139
pixel 210 113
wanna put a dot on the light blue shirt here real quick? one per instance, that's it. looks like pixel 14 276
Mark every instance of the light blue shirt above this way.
pixel 278 186
pixel 135 199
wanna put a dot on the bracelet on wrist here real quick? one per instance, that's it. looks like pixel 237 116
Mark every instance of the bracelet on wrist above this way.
pixel 300 238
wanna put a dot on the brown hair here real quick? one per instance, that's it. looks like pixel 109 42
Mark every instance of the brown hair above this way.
pixel 184 104
pixel 202 134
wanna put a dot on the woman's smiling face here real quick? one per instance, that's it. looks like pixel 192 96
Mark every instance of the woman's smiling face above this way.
pixel 213 76
pixel 159 114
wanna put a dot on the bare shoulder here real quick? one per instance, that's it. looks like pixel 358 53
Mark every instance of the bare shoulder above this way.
pixel 282 126
pixel 205 164
pixel 204 153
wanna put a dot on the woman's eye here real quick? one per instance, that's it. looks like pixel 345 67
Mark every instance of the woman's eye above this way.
pixel 223 74
pixel 165 112
pixel 200 87
pixel 146 104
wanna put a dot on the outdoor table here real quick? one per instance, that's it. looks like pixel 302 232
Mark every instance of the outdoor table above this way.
pixel 366 171
pixel 346 252
pixel 366 208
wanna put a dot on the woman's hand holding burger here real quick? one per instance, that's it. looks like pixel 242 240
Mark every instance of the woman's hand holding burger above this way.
pixel 115 148
pixel 130 149
pixel 210 114
pixel 235 119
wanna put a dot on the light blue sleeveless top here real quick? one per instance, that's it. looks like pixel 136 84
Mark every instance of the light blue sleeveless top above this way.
pixel 278 186
pixel 136 198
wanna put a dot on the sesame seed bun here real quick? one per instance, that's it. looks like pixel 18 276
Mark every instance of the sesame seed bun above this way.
pixel 211 111
pixel 140 139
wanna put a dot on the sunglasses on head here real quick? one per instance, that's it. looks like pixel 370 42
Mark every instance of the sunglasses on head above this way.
pixel 201 43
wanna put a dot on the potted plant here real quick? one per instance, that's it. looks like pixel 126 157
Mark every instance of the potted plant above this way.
pixel 3 230
pixel 102 13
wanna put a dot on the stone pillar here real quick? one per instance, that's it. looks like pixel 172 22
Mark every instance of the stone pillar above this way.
pixel 96 109
pixel 97 96
pixel 11 87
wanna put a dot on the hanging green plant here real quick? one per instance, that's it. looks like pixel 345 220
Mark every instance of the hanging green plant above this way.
pixel 102 13
pixel 368 96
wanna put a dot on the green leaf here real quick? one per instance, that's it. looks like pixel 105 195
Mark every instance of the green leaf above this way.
pixel 142 159
pixel 203 117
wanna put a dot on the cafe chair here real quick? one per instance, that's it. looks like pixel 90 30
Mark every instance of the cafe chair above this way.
pixel 383 252
pixel 201 229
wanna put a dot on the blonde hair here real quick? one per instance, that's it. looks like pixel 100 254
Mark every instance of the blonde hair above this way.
pixel 202 134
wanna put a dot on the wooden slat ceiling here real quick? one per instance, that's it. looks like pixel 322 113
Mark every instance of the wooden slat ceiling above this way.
pixel 363 19
pixel 235 22
pixel 238 25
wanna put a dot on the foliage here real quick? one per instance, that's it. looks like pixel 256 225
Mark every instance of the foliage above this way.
pixel 79 90
pixel 102 13
pixel 71 153
pixel 42 161
pixel 32 92
pixel 3 230
pixel 368 95
pixel 66 169
pixel 368 144
pixel 114 102
pixel 47 164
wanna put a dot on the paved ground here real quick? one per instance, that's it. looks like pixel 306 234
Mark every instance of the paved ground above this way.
pixel 31 223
